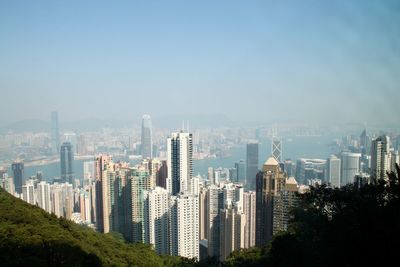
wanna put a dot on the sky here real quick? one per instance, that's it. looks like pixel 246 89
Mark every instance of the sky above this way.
pixel 304 61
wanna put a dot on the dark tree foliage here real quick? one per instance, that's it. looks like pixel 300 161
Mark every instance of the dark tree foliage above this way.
pixel 351 226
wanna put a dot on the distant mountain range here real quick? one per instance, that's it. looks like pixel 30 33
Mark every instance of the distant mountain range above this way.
pixel 172 122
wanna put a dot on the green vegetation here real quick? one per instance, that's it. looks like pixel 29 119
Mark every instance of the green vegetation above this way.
pixel 351 226
pixel 31 237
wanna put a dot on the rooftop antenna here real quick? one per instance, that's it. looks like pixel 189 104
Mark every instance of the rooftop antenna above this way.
pixel 187 126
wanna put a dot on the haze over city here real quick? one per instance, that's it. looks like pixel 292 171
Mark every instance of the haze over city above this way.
pixel 199 133
pixel 263 61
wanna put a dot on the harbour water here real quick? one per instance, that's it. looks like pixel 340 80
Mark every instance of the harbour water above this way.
pixel 293 148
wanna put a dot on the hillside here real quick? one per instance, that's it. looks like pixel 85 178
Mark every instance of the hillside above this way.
pixel 31 237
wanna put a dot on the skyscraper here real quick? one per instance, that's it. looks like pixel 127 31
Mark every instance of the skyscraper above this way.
pixel 18 171
pixel 180 162
pixel 240 171
pixel 350 166
pixel 147 143
pixel 251 165
pixel 380 157
pixel 276 148
pixel 269 183
pixel 55 134
pixel 67 162
pixel 333 171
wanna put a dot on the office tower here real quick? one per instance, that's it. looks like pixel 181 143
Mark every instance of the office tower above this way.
pixel 180 162
pixel 55 134
pixel 147 143
pixel 333 171
pixel 18 171
pixel 162 175
pixel 184 222
pixel 251 165
pixel 276 148
pixel 241 171
pixel 215 199
pixel 7 183
pixel 249 209
pixel 43 196
pixel 102 187
pixel 232 227
pixel 283 202
pixel 28 192
pixel 350 166
pixel 269 183
pixel 203 213
pixel 89 172
pixel 67 162
pixel 156 219
pixel 380 157
pixel 309 169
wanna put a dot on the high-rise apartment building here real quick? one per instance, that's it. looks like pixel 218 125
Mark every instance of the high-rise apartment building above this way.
pixel 180 162
pixel 232 228
pixel 249 209
pixel 28 192
pixel 156 220
pixel 380 156
pixel 43 196
pixel 184 226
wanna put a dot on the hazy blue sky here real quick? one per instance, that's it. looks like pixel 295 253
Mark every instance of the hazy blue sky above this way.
pixel 300 60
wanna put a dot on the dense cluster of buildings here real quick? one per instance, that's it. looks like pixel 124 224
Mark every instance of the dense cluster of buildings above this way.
pixel 160 201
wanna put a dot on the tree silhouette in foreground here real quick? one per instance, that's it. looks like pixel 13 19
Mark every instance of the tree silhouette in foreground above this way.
pixel 356 225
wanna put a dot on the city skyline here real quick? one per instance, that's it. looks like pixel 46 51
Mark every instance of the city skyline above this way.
pixel 331 61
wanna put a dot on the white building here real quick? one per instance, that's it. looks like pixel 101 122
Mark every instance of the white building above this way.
pixel 28 192
pixel 43 196
pixel 333 171
pixel 180 162
pixel 184 222
pixel 350 166
pixel 156 219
